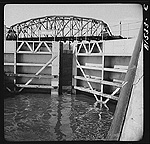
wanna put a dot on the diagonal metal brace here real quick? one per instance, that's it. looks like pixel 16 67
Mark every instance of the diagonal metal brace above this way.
pixel 43 67
pixel 86 79
pixel 105 102
pixel 123 84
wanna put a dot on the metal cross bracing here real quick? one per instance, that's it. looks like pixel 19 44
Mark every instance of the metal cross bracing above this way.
pixel 36 48
pixel 94 48
pixel 60 28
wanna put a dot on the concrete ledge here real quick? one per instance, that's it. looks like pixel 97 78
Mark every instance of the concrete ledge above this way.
pixel 120 47
pixel 9 46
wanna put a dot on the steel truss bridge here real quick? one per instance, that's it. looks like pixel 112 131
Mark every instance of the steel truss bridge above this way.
pixel 56 28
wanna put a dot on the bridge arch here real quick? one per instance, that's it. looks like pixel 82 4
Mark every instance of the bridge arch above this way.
pixel 61 28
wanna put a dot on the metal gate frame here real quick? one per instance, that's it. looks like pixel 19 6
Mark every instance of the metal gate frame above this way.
pixel 54 51
pixel 88 51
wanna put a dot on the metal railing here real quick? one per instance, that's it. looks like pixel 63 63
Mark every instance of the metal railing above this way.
pixel 127 30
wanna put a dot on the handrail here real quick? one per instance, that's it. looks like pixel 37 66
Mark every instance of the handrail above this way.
pixel 114 132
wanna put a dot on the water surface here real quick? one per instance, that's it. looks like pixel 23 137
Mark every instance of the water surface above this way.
pixel 45 117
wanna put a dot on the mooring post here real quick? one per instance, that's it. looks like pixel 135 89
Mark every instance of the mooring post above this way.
pixel 115 130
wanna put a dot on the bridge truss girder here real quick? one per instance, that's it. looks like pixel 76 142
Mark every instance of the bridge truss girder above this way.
pixel 60 26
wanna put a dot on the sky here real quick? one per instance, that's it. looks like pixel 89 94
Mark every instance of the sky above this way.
pixel 109 13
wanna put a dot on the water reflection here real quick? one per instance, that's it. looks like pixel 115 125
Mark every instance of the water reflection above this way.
pixel 53 111
pixel 65 117
pixel 41 117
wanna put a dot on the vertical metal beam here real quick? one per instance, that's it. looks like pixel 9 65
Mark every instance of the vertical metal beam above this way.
pixel 15 65
pixel 46 25
pixel 81 26
pixel 17 32
pixel 55 66
pixel 63 27
pixel 102 76
pixel 39 30
pixel 87 29
pixel 91 28
pixel 71 26
pixel 54 28
pixel 33 45
pixel 31 29
pixel 74 67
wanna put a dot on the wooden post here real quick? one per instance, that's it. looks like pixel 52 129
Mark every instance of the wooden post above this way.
pixel 125 94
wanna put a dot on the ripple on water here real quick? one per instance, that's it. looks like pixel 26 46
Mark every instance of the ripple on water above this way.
pixel 51 118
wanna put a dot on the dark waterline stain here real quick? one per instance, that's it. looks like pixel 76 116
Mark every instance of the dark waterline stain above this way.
pixel 45 117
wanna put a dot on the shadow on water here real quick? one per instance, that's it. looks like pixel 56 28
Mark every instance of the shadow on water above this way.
pixel 45 117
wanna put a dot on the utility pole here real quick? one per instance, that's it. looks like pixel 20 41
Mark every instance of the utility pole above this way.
pixel 120 28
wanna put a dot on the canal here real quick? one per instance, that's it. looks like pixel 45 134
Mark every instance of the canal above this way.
pixel 45 117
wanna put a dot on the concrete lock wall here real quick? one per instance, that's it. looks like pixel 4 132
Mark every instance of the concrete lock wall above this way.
pixel 117 54
pixel 133 126
pixel 117 124
pixel 123 47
